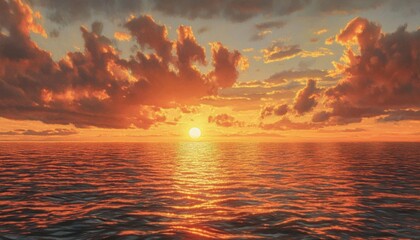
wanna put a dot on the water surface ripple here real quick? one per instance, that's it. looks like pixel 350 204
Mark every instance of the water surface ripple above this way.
pixel 198 190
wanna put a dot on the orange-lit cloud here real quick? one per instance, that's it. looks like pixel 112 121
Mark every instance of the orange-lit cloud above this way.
pixel 122 36
pixel 278 51
pixel 99 88
pixel 321 31
pixel 225 120
pixel 382 79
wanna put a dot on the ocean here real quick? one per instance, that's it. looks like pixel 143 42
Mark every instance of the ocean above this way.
pixel 204 190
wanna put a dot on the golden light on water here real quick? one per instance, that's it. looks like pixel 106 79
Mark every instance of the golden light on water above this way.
pixel 195 133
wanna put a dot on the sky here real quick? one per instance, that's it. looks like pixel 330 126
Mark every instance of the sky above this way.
pixel 240 70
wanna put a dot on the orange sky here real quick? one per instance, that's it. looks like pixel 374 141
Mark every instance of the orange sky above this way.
pixel 261 71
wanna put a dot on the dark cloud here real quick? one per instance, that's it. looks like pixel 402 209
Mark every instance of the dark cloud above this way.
pixel 150 34
pixel 65 12
pixel 265 28
pixel 400 115
pixel 411 7
pixel 344 7
pixel 383 77
pixel 49 132
pixel 203 30
pixel 225 65
pixel 306 98
pixel 99 88
pixel 278 51
pixel 234 10
pixel 274 110
pixel 225 120
pixel 270 25
pixel 321 116
pixel 242 10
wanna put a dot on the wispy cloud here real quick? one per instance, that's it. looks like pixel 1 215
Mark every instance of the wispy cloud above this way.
pixel 49 132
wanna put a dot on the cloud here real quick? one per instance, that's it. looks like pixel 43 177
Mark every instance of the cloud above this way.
pixel 225 120
pixel 344 7
pixel 203 30
pixel 278 51
pixel 286 75
pixel 236 102
pixel 321 116
pixel 276 110
pixel 65 12
pixel 240 10
pixel 381 78
pixel 265 28
pixel 188 109
pixel 400 115
pixel 347 130
pixel 122 36
pixel 305 99
pixel 225 65
pixel 329 41
pixel 270 25
pixel 150 34
pixel 354 130
pixel 410 7
pixel 285 124
pixel 248 49
pixel 49 132
pixel 97 87
pixel 321 31
pixel 316 53
pixel 260 35
pixel 233 10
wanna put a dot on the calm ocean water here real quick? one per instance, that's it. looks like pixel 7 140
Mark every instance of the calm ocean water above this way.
pixel 200 190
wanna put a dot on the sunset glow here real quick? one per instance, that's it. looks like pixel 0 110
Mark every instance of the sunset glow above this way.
pixel 209 119
pixel 144 71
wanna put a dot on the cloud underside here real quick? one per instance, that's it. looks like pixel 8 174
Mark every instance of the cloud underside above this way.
pixel 381 79
pixel 380 74
pixel 225 120
pixel 49 132
pixel 64 12
pixel 97 87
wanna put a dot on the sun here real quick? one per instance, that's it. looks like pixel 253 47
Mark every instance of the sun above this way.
pixel 195 133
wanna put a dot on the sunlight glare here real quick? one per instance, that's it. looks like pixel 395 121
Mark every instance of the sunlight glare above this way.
pixel 195 133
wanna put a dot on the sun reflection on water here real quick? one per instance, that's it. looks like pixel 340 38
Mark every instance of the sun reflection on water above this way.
pixel 198 190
